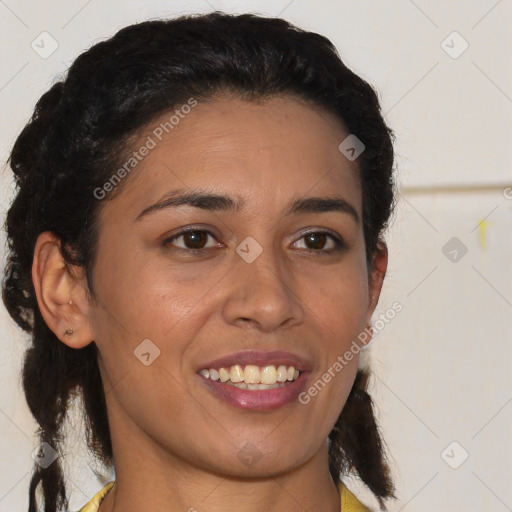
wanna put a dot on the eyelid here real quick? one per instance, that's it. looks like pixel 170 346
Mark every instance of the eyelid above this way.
pixel 168 238
pixel 336 238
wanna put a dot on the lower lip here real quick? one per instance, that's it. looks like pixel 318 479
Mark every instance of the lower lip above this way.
pixel 260 399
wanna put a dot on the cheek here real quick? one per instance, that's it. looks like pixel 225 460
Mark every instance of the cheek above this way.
pixel 338 298
pixel 139 299
pixel 144 295
pixel 337 301
pixel 174 301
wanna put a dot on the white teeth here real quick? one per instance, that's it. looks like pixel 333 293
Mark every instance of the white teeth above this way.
pixel 256 387
pixel 252 376
pixel 282 374
pixel 224 375
pixel 268 375
pixel 236 374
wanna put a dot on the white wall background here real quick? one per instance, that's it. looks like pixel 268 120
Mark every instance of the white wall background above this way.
pixel 443 364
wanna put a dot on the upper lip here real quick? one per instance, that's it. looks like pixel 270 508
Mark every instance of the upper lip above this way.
pixel 259 358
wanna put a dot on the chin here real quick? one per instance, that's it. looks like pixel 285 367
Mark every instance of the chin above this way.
pixel 253 462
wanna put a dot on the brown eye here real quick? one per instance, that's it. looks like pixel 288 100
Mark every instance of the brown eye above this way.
pixel 192 239
pixel 319 241
pixel 315 240
pixel 195 239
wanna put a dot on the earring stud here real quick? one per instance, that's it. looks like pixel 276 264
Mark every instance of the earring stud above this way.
pixel 69 332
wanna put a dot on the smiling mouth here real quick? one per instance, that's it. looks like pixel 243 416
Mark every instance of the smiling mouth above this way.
pixel 252 377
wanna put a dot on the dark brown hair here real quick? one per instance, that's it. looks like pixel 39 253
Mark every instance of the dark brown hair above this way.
pixel 77 137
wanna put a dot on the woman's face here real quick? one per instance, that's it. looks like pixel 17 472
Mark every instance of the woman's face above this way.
pixel 273 275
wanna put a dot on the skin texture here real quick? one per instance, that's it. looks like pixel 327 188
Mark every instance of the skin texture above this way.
pixel 176 445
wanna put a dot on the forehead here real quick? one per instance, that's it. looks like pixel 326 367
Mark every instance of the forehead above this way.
pixel 265 152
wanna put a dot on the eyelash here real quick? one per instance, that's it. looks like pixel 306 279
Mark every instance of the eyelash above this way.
pixel 338 241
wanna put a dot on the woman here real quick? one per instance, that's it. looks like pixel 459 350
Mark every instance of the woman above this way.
pixel 196 247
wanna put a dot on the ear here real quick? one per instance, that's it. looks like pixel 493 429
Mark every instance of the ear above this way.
pixel 376 274
pixel 61 292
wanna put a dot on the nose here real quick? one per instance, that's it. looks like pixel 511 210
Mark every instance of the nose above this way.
pixel 262 295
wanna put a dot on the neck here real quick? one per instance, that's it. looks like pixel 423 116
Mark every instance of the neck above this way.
pixel 217 493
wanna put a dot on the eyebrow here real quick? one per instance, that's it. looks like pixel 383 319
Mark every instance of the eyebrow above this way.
pixel 215 202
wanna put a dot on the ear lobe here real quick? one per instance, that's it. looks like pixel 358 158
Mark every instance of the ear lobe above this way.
pixel 61 292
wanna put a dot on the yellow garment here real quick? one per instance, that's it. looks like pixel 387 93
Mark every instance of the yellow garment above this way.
pixel 349 502
pixel 93 505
